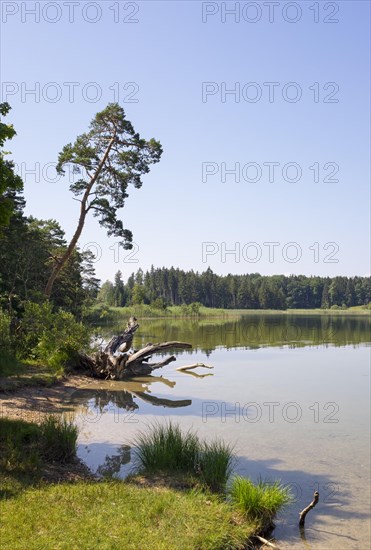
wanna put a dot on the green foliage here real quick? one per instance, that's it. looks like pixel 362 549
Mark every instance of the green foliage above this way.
pixel 215 464
pixel 53 337
pixel 9 365
pixel 5 337
pixel 106 294
pixel 9 181
pixel 138 294
pixel 105 160
pixel 58 439
pixel 192 309
pixel 112 515
pixel 166 448
pixel 159 303
pixel 99 315
pixel 259 502
pixel 19 446
pixel 189 291
pixel 26 247
pixel 26 446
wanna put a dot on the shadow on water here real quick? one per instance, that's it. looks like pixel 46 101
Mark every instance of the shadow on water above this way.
pixel 334 504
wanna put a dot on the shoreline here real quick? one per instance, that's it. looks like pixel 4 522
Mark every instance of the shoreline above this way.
pixel 33 403
pixel 145 312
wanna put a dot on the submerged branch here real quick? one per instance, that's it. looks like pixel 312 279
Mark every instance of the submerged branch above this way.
pixel 304 512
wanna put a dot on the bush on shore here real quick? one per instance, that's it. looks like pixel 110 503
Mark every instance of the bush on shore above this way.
pixel 51 337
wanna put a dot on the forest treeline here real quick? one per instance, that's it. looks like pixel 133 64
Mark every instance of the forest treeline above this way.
pixel 164 287
pixel 32 327
pixel 27 248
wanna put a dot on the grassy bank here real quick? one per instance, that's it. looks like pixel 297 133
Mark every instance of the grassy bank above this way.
pixel 123 514
pixel 165 450
pixel 144 311
pixel 119 515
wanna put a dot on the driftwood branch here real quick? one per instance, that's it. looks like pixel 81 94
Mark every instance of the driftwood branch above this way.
pixel 124 341
pixel 143 369
pixel 188 369
pixel 195 366
pixel 118 361
pixel 267 542
pixel 160 401
pixel 304 512
pixel 150 349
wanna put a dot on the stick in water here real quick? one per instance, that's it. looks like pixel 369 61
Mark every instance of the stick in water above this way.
pixel 195 366
pixel 267 542
pixel 304 512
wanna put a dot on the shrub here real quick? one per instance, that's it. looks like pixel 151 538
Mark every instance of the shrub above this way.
pixel 5 337
pixel 53 337
pixel 8 362
pixel 159 303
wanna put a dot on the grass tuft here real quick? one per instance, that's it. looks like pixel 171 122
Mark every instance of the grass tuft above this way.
pixel 18 446
pixel 58 439
pixel 259 502
pixel 166 448
pixel 215 464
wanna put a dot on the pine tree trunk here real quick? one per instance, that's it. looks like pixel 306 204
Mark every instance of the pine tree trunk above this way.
pixel 83 211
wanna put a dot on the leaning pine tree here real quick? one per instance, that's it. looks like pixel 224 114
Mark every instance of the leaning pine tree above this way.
pixel 108 157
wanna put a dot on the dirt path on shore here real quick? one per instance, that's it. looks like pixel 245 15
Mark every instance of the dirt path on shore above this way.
pixel 33 403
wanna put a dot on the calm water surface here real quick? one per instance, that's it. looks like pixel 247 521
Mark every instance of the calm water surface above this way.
pixel 291 394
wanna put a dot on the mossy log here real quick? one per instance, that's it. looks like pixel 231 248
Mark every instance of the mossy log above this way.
pixel 118 361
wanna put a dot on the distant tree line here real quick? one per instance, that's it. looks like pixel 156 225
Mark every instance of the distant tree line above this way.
pixel 169 286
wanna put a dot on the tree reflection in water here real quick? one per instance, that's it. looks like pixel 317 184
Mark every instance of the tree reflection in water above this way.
pixel 112 464
pixel 101 396
pixel 121 394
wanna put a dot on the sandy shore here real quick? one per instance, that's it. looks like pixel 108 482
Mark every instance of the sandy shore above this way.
pixel 33 403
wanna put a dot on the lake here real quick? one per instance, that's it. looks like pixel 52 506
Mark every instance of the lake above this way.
pixel 291 393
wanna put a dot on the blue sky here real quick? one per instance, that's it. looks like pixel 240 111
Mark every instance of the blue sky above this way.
pixel 188 212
